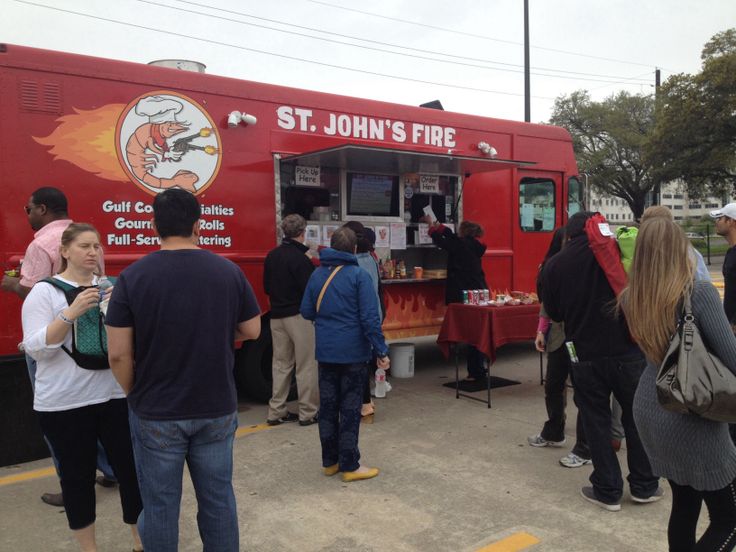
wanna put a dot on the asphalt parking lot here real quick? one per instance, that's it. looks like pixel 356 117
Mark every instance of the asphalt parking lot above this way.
pixel 455 476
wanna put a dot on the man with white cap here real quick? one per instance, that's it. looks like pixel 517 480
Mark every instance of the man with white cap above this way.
pixel 726 226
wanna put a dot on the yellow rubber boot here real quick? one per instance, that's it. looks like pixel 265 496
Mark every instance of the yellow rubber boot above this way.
pixel 359 475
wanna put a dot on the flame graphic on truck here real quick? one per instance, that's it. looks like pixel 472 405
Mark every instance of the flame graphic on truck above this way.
pixel 86 139
pixel 160 140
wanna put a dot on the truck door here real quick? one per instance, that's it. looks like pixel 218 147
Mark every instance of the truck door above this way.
pixel 538 211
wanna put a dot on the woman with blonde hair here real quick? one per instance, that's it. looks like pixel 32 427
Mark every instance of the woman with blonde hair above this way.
pixel 695 454
pixel 78 405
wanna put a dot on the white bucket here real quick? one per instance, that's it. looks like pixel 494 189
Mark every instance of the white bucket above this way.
pixel 402 360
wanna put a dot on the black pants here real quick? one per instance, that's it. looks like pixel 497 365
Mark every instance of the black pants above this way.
pixel 73 435
pixel 476 363
pixel 555 399
pixel 594 382
pixel 686 502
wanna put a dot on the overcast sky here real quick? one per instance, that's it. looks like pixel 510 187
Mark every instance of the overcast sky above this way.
pixel 615 44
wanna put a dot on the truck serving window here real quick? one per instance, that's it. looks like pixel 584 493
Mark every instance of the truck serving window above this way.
pixel 537 210
pixel 372 195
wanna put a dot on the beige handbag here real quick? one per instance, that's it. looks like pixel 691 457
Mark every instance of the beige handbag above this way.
pixel 693 380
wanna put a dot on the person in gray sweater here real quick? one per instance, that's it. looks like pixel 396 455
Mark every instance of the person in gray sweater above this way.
pixel 695 454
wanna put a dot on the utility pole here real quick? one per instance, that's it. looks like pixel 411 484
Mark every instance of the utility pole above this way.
pixel 656 195
pixel 527 97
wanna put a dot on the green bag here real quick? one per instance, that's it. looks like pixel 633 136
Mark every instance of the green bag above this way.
pixel 89 338
pixel 626 237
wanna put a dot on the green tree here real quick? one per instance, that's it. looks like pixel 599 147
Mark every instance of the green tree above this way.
pixel 609 138
pixel 695 134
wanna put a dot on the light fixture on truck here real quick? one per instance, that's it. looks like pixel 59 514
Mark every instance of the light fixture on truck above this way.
pixel 487 149
pixel 236 117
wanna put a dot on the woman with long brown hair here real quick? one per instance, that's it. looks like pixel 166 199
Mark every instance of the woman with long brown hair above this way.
pixel 695 454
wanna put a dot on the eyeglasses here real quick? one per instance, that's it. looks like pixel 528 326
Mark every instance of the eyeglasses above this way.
pixel 28 209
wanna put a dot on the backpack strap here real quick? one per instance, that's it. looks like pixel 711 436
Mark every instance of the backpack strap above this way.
pixel 66 288
pixel 327 283
pixel 70 291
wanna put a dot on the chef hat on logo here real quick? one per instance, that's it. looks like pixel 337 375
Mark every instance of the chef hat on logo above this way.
pixel 158 109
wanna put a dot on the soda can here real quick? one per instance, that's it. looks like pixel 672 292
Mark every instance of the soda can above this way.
pixel 465 297
pixel 476 297
pixel 486 296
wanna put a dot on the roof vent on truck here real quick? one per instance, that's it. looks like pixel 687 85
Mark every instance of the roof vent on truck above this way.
pixel 181 64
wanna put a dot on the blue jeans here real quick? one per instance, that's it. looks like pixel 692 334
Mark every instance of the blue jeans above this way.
pixel 594 382
pixel 102 463
pixel 340 401
pixel 161 447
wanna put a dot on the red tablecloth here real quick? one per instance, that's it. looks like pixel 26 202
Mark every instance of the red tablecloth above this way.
pixel 487 328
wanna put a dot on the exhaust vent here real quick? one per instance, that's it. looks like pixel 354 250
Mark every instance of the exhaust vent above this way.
pixel 181 64
pixel 39 97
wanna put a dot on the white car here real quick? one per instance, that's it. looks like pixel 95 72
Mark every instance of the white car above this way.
pixel 694 235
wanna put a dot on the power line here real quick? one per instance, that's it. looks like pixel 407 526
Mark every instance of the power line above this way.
pixel 370 41
pixel 264 52
pixel 634 83
pixel 445 29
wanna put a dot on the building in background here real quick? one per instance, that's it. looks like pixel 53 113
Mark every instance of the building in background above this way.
pixel 674 196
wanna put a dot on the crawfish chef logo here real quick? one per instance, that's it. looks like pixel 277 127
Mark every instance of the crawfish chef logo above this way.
pixel 166 140
pixel 160 140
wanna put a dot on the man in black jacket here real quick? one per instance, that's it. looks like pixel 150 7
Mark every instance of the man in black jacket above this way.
pixel 286 272
pixel 576 292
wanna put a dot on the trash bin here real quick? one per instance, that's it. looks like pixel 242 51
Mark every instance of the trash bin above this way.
pixel 402 359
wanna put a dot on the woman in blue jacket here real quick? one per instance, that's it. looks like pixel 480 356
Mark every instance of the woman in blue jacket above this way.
pixel 341 301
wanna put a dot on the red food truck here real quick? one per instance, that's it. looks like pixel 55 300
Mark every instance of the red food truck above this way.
pixel 112 134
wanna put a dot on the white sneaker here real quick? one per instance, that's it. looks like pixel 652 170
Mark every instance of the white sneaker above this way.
pixel 572 460
pixel 654 497
pixel 538 441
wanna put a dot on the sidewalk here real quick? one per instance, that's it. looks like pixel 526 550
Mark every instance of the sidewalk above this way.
pixel 455 476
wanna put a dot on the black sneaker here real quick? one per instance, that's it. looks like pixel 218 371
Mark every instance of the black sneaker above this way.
pixel 308 422
pixel 53 499
pixel 106 482
pixel 589 494
pixel 290 417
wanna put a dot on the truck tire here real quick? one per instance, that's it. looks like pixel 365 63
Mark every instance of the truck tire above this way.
pixel 253 370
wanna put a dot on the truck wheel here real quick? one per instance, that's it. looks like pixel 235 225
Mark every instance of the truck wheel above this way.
pixel 253 371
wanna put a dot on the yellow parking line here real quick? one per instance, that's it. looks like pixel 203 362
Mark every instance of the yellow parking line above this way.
pixel 26 476
pixel 48 472
pixel 252 429
pixel 514 543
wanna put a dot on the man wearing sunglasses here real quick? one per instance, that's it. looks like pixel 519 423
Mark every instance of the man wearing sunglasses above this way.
pixel 47 215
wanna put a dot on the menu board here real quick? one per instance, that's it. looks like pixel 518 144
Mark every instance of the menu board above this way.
pixel 370 194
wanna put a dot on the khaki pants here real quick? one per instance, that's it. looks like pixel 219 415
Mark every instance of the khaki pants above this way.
pixel 293 348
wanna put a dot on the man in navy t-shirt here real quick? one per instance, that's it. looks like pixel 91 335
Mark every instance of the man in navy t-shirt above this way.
pixel 171 324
